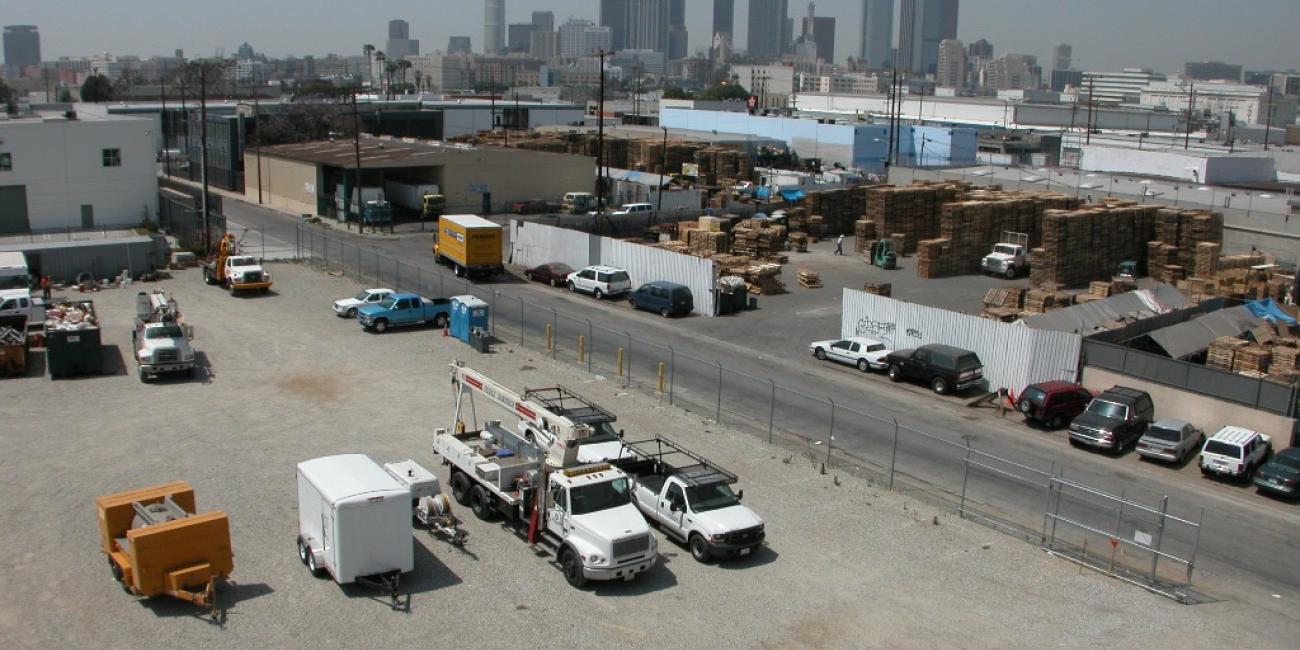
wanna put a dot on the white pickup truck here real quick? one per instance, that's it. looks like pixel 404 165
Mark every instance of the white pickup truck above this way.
pixel 1010 256
pixel 693 503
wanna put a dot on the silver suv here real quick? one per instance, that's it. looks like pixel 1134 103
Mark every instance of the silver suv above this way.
pixel 1235 452
pixel 600 281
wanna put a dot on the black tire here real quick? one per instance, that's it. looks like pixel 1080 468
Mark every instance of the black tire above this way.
pixel 600 295
pixel 553 282
pixel 460 488
pixel 303 551
pixel 1010 273
pixel 572 287
pixel 144 376
pixel 458 270
pixel 352 313
pixel 192 372
pixel 480 501
pixel 700 549
pixel 820 354
pixel 631 303
pixel 1056 422
pixel 381 326
pixel 939 385
pixel 895 373
pixel 311 565
pixel 863 365
pixel 666 312
pixel 234 293
pixel 1204 472
pixel 115 570
pixel 572 569
pixel 1024 406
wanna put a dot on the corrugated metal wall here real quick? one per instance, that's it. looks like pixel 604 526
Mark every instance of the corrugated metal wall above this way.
pixel 1013 356
pixel 533 243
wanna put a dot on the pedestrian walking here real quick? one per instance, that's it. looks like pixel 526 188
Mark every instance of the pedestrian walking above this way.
pixel 839 245
pixel 45 287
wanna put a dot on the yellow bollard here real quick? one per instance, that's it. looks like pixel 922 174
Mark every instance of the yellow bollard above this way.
pixel 620 362
pixel 548 337
pixel 661 376
pixel 582 348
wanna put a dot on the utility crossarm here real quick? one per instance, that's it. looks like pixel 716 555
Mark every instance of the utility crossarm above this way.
pixel 559 433
pixel 699 471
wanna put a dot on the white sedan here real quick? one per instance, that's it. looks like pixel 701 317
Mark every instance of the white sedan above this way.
pixel 347 307
pixel 866 354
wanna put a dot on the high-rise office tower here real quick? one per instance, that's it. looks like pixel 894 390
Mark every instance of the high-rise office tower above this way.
pixel 1061 56
pixel 459 45
pixel 647 25
pixel 877 33
pixel 544 21
pixel 724 18
pixel 494 26
pixel 614 14
pixel 951 72
pixel 677 35
pixel 769 31
pixel 923 25
pixel 400 44
pixel 22 45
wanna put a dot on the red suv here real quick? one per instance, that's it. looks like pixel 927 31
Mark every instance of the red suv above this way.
pixel 1053 403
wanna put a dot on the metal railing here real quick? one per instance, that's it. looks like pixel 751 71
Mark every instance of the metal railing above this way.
pixel 1037 504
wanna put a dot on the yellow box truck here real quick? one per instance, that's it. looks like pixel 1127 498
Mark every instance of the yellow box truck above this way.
pixel 469 244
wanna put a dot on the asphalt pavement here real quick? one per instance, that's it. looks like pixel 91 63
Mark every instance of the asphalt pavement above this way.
pixel 777 386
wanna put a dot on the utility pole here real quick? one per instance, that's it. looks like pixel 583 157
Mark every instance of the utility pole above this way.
pixel 1091 102
pixel 600 137
pixel 356 150
pixel 167 159
pixel 1268 115
pixel 257 137
pixel 203 150
pixel 1191 104
pixel 663 167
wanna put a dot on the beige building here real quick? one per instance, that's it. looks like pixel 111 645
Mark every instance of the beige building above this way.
pixel 307 177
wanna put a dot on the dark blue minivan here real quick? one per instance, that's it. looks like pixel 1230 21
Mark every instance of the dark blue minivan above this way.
pixel 667 298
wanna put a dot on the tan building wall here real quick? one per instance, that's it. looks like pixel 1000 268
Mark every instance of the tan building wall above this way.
pixel 287 184
pixel 513 175
pixel 1207 413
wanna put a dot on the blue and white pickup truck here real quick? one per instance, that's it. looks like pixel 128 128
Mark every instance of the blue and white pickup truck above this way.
pixel 402 309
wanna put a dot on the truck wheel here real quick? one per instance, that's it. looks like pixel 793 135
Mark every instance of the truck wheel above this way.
pixel 381 326
pixel 572 569
pixel 1010 273
pixel 303 552
pixel 208 278
pixel 940 385
pixel 440 321
pixel 481 503
pixel 666 312
pixel 895 373
pixel 820 354
pixel 460 488
pixel 233 291
pixel 632 304
pixel 699 549
pixel 1056 422
pixel 144 376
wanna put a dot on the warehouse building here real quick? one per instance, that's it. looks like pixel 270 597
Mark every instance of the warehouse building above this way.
pixel 60 171
pixel 308 177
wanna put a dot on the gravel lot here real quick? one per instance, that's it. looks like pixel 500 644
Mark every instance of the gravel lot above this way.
pixel 847 564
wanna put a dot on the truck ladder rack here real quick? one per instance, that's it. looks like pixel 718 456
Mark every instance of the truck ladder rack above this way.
pixel 701 471
pixel 568 404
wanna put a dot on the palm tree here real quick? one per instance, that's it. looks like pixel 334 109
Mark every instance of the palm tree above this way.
pixel 406 65
pixel 368 49
pixel 418 88
pixel 380 57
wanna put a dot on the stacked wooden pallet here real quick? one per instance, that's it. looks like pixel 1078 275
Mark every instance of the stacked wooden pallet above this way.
pixel 763 279
pixel 1084 245
pixel 912 211
pixel 798 242
pixel 1100 288
pixel 1207 259
pixel 931 255
pixel 674 245
pixel 1223 352
pixel 1283 366
pixel 757 239
pixel 864 231
pixel 817 227
pixel 1040 301
pixel 705 243
pixel 879 289
pixel 1252 358
pixel 810 279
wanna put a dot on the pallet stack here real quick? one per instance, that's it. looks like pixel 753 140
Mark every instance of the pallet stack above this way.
pixel 1252 358
pixel 798 242
pixel 931 255
pixel 757 239
pixel 763 279
pixel 816 227
pixel 810 279
pixel 864 232
pixel 912 211
pixel 1223 352
pixel 1041 301
pixel 706 243
pixel 1084 245
pixel 1283 368
pixel 878 289
pixel 1207 259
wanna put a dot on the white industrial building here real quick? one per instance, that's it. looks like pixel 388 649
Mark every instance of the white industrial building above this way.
pixel 70 171
pixel 1248 104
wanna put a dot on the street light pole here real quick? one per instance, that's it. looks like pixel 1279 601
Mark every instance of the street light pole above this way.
pixel 203 150
pixel 663 167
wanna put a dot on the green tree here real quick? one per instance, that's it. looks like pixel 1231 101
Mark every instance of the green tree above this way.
pixel 97 88
pixel 676 92
pixel 724 91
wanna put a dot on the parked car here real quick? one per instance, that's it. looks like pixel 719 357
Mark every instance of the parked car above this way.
pixel 552 273
pixel 600 281
pixel 1053 403
pixel 1235 452
pixel 347 307
pixel 866 354
pixel 403 309
pixel 943 367
pixel 1113 420
pixel 1170 440
pixel 631 209
pixel 1280 475
pixel 667 298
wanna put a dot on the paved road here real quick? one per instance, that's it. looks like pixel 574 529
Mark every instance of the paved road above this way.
pixel 861 421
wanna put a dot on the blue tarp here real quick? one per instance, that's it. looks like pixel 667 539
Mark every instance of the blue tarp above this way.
pixel 792 195
pixel 1269 311
pixel 763 192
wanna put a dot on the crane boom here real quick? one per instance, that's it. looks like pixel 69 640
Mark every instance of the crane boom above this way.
pixel 558 435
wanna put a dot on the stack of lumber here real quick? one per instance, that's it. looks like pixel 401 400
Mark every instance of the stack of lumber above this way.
pixel 1223 352
pixel 1004 304
pixel 714 224
pixel 931 255
pixel 809 279
pixel 757 239
pixel 763 279
pixel 816 227
pixel 1252 358
pixel 796 219
pixel 1100 288
pixel 864 232
pixel 912 211
pixel 1283 367
pixel 1041 301
pixel 839 209
pixel 1084 245
pixel 674 245
pixel 798 242
pixel 704 243
pixel 878 289
pixel 972 228
pixel 1207 259
pixel 900 240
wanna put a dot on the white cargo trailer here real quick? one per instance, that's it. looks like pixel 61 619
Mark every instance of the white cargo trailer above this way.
pixel 354 521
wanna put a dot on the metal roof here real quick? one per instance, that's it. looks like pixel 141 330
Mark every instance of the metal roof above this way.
pixel 347 476
pixel 80 243
pixel 1092 317
pixel 641 178
pixel 1185 339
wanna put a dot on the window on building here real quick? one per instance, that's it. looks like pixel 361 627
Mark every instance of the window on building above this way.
pixel 6 161
pixel 112 157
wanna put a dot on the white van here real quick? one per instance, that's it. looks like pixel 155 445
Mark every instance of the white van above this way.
pixel 632 209
pixel 14 273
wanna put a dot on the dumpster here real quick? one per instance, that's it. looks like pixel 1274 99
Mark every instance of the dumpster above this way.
pixel 72 340
pixel 13 345
pixel 731 293
pixel 467 313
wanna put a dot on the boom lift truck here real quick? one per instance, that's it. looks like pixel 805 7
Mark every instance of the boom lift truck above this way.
pixel 581 515
pixel 234 271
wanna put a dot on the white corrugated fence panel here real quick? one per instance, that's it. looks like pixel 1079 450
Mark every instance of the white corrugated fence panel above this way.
pixel 1014 357
pixel 645 264
pixel 532 244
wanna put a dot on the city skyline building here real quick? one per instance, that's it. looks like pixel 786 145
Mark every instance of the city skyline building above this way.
pixel 951 72
pixel 614 15
pixel 768 29
pixel 22 48
pixel 877 46
pixel 724 18
pixel 922 26
pixel 494 26
pixel 400 44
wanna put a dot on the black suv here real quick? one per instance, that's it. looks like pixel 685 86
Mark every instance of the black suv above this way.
pixel 1113 420
pixel 944 367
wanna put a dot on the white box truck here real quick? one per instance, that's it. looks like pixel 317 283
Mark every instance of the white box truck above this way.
pixel 354 522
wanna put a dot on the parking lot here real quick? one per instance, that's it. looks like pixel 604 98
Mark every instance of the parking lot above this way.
pixel 847 564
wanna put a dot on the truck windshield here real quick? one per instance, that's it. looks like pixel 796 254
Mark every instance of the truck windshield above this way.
pixel 20 281
pixel 164 332
pixel 1108 409
pixel 600 496
pixel 711 497
pixel 243 261
pixel 600 432
pixel 1004 249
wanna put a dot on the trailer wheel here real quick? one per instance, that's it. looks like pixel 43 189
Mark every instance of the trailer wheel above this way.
pixel 311 564
pixel 460 488
pixel 572 569
pixel 699 548
pixel 114 569
pixel 303 551
pixel 481 503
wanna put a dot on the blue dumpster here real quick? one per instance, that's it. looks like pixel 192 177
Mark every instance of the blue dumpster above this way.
pixel 467 313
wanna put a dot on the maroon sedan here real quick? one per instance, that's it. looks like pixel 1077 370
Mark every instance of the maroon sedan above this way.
pixel 552 273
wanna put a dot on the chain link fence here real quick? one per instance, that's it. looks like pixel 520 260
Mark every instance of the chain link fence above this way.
pixel 1141 543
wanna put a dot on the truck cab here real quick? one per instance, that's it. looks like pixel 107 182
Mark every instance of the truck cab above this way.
pixel 234 271
pixel 1009 257
pixel 693 504
pixel 162 347
pixel 19 302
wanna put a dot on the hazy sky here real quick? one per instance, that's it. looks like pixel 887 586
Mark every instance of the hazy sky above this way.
pixel 1106 34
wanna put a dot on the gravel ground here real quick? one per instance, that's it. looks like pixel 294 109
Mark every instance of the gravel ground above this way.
pixel 847 564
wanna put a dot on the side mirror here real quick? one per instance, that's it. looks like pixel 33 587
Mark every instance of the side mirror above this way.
pixel 189 332
pixel 740 496
pixel 620 433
